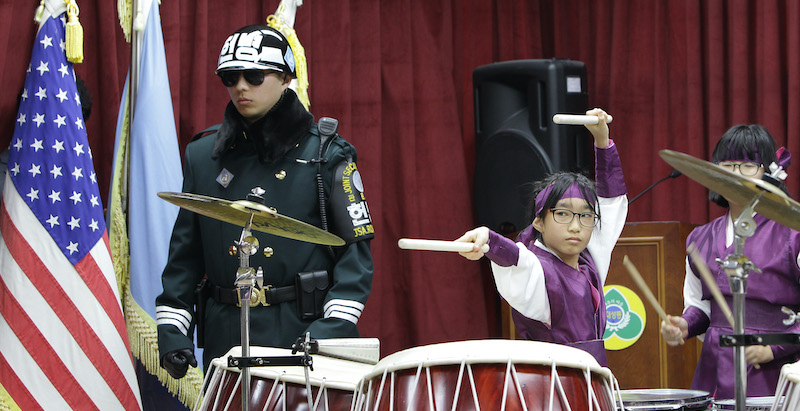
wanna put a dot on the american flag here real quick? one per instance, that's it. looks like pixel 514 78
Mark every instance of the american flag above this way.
pixel 63 341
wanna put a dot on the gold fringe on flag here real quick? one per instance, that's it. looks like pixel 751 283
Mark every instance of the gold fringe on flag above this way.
pixel 117 226
pixel 144 346
pixel 125 11
pixel 74 36
pixel 299 54
pixel 141 327
pixel 6 402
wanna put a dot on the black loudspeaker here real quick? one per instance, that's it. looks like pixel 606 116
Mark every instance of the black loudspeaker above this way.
pixel 516 140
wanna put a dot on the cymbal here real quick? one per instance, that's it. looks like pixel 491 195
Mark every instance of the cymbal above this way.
pixel 774 204
pixel 265 219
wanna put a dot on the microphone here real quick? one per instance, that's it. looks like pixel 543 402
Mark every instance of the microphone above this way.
pixel 673 174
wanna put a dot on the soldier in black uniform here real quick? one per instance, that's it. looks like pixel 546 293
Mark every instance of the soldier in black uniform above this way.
pixel 268 140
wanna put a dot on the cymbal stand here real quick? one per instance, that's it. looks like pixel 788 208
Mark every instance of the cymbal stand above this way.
pixel 737 266
pixel 307 346
pixel 246 279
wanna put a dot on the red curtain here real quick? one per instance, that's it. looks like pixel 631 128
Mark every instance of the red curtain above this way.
pixel 398 76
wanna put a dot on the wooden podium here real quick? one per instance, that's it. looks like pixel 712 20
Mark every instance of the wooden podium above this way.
pixel 658 250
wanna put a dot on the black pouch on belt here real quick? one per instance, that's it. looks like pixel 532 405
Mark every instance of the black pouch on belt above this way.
pixel 202 293
pixel 312 287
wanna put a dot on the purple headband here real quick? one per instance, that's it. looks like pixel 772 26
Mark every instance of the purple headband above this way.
pixel 742 156
pixel 573 191
pixel 784 157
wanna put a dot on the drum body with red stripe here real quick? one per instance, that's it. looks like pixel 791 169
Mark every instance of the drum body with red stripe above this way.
pixel 333 384
pixel 488 375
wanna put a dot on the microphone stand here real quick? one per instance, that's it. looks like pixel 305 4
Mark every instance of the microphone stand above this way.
pixel 673 174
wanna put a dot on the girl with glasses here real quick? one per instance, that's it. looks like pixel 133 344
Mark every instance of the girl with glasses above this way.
pixel 748 150
pixel 553 276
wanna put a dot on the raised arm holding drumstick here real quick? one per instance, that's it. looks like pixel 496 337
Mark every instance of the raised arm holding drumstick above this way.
pixel 553 276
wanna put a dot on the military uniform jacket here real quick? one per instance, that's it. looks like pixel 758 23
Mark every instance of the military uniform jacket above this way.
pixel 200 246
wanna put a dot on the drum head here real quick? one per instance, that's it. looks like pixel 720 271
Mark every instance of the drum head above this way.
pixel 665 399
pixel 333 372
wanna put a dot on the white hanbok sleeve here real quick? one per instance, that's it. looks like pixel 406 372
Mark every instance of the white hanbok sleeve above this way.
pixel 523 286
pixel 614 211
pixel 612 205
pixel 693 292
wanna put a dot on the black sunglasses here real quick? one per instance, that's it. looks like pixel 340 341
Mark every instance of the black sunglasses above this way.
pixel 254 77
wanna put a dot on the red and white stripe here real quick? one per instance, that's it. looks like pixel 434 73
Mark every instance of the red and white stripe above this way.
pixel 64 341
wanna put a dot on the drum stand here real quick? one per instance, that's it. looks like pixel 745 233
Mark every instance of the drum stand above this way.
pixel 737 266
pixel 246 279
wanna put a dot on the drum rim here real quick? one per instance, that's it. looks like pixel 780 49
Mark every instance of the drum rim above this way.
pixel 693 398
pixel 791 371
pixel 732 401
pixel 567 357
pixel 295 374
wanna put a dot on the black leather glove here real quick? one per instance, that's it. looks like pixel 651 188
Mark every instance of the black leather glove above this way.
pixel 177 362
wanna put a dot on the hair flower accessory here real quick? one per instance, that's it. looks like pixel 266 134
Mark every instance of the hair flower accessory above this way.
pixel 784 157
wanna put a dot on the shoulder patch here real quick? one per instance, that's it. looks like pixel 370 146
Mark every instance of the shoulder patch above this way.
pixel 349 211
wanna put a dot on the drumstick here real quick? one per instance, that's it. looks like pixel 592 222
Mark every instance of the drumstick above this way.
pixel 712 286
pixel 578 119
pixel 709 279
pixel 637 278
pixel 437 245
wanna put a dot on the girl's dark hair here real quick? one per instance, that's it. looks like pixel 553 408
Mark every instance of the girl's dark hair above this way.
pixel 561 181
pixel 744 141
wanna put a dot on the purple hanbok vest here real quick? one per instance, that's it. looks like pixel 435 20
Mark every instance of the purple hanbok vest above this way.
pixel 773 248
pixel 575 319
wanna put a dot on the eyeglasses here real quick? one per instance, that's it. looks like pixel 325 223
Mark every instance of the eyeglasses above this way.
pixel 254 77
pixel 564 216
pixel 746 168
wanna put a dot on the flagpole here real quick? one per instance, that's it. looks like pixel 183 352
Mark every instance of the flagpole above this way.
pixel 133 87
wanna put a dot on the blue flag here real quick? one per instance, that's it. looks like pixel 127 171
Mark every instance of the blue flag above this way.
pixel 154 165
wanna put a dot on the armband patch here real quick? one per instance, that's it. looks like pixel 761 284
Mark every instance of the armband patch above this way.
pixel 348 205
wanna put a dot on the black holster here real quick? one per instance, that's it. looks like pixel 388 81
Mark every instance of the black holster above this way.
pixel 312 287
pixel 202 293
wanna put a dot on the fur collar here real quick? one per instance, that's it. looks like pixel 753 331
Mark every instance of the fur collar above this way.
pixel 271 136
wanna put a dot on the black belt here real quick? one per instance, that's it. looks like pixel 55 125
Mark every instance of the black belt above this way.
pixel 266 296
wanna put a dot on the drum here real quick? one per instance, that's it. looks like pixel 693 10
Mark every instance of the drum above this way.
pixel 664 399
pixel 789 387
pixel 488 375
pixel 750 404
pixel 333 383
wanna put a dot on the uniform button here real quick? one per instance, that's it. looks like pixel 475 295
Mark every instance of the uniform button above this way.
pixel 268 251
pixel 280 175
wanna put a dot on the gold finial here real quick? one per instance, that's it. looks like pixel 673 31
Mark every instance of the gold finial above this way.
pixel 299 54
pixel 74 36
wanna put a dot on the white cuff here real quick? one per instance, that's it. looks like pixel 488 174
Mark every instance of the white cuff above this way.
pixel 344 309
pixel 174 316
